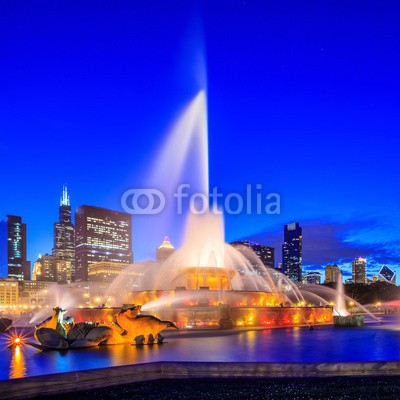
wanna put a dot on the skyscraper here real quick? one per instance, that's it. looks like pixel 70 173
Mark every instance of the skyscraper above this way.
pixel 332 273
pixel 51 269
pixel 292 252
pixel 265 254
pixel 165 250
pixel 45 268
pixel 13 262
pixel 359 266
pixel 64 233
pixel 101 235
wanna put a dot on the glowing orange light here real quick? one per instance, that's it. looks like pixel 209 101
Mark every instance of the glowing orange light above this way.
pixel 15 340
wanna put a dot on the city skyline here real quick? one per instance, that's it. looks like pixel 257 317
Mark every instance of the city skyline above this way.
pixel 66 210
pixel 311 117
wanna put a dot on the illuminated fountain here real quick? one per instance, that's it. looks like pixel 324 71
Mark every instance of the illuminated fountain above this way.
pixel 206 282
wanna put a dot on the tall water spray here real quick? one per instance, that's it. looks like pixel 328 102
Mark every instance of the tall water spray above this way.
pixel 340 308
pixel 188 136
pixel 181 160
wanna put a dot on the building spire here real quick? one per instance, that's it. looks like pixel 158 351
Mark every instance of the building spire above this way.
pixel 166 244
pixel 64 200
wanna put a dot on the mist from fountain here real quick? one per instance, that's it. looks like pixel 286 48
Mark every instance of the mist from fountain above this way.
pixel 61 296
pixel 331 295
pixel 203 250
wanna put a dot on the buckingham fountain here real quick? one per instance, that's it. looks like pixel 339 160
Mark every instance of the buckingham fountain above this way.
pixel 206 283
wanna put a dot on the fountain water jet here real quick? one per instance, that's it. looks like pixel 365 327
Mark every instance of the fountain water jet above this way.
pixel 340 309
pixel 332 294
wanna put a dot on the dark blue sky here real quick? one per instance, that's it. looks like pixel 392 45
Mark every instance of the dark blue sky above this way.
pixel 303 98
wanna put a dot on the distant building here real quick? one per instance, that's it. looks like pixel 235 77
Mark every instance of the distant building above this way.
pixel 106 271
pixel 359 267
pixel 332 274
pixel 313 278
pixel 13 262
pixel 33 292
pixel 9 293
pixel 292 252
pixel 50 268
pixel 101 235
pixel 64 238
pixel 63 271
pixel 374 279
pixel 45 268
pixel 265 254
pixel 165 250
pixel 386 274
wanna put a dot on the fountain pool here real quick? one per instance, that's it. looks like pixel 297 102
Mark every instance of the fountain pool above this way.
pixel 374 342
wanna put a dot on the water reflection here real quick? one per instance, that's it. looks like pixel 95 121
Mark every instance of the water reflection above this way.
pixel 323 344
pixel 18 363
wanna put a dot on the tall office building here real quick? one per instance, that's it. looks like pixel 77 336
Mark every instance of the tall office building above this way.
pixel 51 269
pixel 332 274
pixel 359 266
pixel 292 252
pixel 13 262
pixel 265 254
pixel 101 235
pixel 64 234
pixel 165 250
pixel 45 268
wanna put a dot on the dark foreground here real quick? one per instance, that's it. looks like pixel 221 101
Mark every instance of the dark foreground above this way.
pixel 248 389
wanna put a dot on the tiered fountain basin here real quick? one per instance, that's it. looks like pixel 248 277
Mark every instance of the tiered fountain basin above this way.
pixel 214 296
pixel 212 309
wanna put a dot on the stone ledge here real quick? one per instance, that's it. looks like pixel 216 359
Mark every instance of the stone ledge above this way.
pixel 24 388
